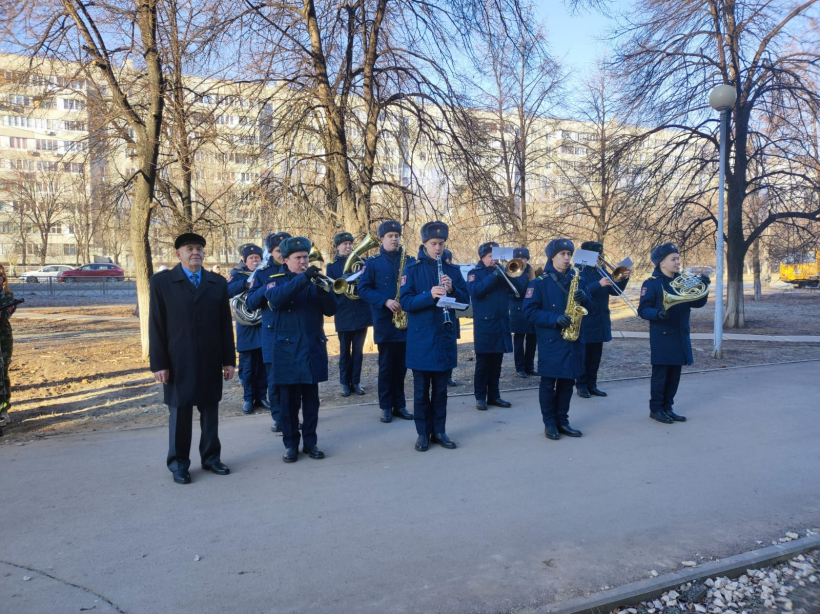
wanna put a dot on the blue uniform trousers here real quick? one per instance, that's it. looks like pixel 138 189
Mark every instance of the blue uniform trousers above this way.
pixel 274 398
pixel 665 380
pixel 392 371
pixel 179 440
pixel 253 375
pixel 292 396
pixel 351 347
pixel 430 401
pixel 487 376
pixel 592 362
pixel 524 345
pixel 554 395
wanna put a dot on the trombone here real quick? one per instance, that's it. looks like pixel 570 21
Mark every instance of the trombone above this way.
pixel 511 268
pixel 616 275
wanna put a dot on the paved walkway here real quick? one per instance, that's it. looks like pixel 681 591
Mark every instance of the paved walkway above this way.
pixel 466 329
pixel 508 522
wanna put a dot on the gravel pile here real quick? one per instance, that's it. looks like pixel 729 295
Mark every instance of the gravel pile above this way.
pixel 793 586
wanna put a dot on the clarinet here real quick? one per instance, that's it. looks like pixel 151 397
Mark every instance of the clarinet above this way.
pixel 447 320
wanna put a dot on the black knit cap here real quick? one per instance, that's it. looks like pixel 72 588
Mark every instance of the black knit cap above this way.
pixel 188 237
pixel 341 237
pixel 558 245
pixel 486 248
pixel 662 251
pixel 434 230
pixel 389 226
pixel 291 245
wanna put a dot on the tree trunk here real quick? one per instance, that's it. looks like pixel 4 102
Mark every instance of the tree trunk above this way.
pixel 756 269
pixel 735 315
pixel 736 246
pixel 141 250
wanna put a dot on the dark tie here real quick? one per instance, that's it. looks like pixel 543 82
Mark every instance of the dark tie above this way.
pixel 195 280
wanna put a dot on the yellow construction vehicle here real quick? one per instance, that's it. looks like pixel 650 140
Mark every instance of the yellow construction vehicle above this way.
pixel 805 274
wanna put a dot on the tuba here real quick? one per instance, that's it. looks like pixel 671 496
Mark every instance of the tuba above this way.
pixel 688 286
pixel 244 314
pixel 575 311
pixel 353 265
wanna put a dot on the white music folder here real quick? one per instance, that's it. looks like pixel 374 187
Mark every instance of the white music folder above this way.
pixel 449 301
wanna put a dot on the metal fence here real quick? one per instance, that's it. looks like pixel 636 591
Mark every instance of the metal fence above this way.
pixel 93 286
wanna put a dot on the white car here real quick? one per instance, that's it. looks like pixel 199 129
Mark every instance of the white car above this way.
pixel 43 274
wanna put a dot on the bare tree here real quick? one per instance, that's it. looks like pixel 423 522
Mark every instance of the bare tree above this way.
pixel 673 52
pixel 41 196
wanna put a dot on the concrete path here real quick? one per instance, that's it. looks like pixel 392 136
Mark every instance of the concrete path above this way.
pixel 508 522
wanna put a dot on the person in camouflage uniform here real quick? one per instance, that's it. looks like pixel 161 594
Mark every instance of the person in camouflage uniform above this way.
pixel 6 346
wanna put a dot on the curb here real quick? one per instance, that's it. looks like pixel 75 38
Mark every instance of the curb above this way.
pixel 646 590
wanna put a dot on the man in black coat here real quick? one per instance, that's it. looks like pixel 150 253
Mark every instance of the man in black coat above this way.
pixel 192 352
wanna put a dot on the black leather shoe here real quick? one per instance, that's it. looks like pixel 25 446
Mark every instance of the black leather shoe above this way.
pixel 444 441
pixel 597 392
pixel 567 430
pixel 291 455
pixel 551 432
pixel 218 468
pixel 402 413
pixel 275 428
pixel 313 451
pixel 480 404
pixel 583 392
pixel 660 417
pixel 263 404
pixel 247 408
pixel 345 390
pixel 452 382
pixel 522 374
pixel 675 417
pixel 387 416
pixel 357 389
pixel 181 476
pixel 532 373
pixel 499 402
pixel 422 443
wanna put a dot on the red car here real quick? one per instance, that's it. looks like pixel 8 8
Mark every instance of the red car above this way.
pixel 93 272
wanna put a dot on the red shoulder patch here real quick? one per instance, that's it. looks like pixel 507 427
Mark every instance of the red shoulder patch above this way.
pixel 530 292
pixel 403 279
pixel 643 291
pixel 271 285
pixel 471 277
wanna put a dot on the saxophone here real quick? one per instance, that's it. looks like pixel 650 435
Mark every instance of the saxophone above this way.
pixel 573 310
pixel 400 318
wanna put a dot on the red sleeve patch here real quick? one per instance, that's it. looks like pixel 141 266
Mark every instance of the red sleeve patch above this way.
pixel 643 291
pixel 403 279
pixel 530 292
pixel 271 285
pixel 471 277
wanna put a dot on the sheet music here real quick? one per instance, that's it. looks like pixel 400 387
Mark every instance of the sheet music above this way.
pixel 585 256
pixel 627 262
pixel 449 301
pixel 354 276
pixel 503 253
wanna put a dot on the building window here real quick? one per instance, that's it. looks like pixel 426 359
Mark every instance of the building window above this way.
pixel 72 126
pixel 20 100
pixel 72 104
pixel 57 229
pixel 69 249
pixel 46 144
pixel 16 142
pixel 33 249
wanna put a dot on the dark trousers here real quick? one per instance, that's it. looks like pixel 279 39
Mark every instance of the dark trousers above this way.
pixel 554 395
pixel 253 375
pixel 180 425
pixel 487 375
pixel 274 398
pixel 351 347
pixel 524 351
pixel 665 380
pixel 592 361
pixel 292 396
pixel 430 401
pixel 392 371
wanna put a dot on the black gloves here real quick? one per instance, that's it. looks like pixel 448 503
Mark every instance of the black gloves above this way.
pixel 662 314
pixel 564 321
pixel 312 272
pixel 497 272
pixel 706 279
pixel 579 296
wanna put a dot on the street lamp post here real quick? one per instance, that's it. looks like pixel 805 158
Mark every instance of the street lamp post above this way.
pixel 722 98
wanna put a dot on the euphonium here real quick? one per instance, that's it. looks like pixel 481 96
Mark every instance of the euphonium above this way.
pixel 573 310
pixel 400 318
pixel 688 286
pixel 353 265
pixel 244 314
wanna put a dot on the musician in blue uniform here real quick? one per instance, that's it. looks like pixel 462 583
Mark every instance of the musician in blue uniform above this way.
pixel 490 293
pixel 252 370
pixel 448 258
pixel 299 344
pixel 378 288
pixel 431 342
pixel 524 339
pixel 596 325
pixel 669 341
pixel 559 361
pixel 260 278
pixel 352 320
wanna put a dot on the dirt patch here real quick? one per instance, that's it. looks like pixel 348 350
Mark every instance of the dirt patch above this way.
pixel 70 377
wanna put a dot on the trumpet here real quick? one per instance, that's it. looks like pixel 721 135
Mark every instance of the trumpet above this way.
pixel 323 282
